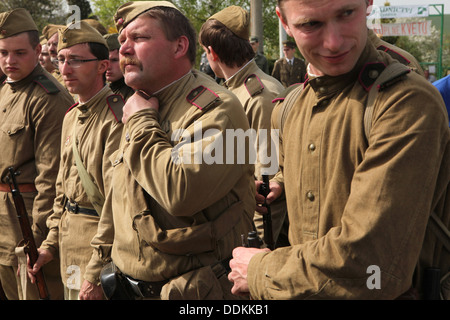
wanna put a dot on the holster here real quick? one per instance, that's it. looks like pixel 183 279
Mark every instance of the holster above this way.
pixel 114 285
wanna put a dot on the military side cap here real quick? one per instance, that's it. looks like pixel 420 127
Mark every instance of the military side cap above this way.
pixel 236 19
pixel 112 41
pixel 50 29
pixel 16 21
pixel 289 44
pixel 131 10
pixel 78 32
pixel 97 25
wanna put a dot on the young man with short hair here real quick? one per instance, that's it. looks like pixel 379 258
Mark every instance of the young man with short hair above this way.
pixel 90 134
pixel 358 206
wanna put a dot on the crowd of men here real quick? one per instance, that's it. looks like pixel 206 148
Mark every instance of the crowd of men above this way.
pixel 135 190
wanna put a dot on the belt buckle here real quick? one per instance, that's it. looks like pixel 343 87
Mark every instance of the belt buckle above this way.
pixel 73 206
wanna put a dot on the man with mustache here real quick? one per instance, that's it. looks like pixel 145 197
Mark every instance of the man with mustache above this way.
pixel 90 133
pixel 33 105
pixel 358 205
pixel 170 223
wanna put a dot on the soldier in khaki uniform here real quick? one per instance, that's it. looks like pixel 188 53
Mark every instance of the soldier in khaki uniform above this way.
pixel 358 207
pixel 50 32
pixel 289 70
pixel 33 105
pixel 91 132
pixel 224 39
pixel 173 216
pixel 114 74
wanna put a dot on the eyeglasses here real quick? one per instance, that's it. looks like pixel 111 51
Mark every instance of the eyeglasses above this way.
pixel 74 63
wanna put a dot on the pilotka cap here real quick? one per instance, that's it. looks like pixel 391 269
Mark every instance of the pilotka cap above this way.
pixel 236 19
pixel 16 21
pixel 50 29
pixel 112 41
pixel 131 10
pixel 78 32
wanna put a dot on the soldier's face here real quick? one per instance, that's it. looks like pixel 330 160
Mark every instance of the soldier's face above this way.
pixel 85 79
pixel 114 73
pixel 17 57
pixel 44 59
pixel 331 35
pixel 146 56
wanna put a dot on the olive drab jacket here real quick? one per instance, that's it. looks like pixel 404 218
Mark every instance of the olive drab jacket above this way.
pixel 355 203
pixel 256 91
pixel 95 127
pixel 175 206
pixel 31 116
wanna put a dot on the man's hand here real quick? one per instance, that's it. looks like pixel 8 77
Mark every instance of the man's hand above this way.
pixel 239 266
pixel 275 191
pixel 90 291
pixel 138 101
pixel 45 257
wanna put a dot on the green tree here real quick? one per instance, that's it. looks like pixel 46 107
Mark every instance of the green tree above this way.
pixel 198 11
pixel 43 11
pixel 84 5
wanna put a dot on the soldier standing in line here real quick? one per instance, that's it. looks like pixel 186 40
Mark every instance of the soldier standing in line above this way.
pixel 90 133
pixel 260 59
pixel 224 38
pixel 289 70
pixel 171 221
pixel 33 105
pixel 114 74
pixel 44 58
pixel 356 202
pixel 50 32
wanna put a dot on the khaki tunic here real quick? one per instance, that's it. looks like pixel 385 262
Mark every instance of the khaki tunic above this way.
pixel 256 95
pixel 120 87
pixel 97 135
pixel 353 204
pixel 30 120
pixel 194 214
pixel 397 53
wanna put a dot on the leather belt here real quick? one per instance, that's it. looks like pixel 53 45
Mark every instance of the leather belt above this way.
pixel 145 289
pixel 75 208
pixel 24 187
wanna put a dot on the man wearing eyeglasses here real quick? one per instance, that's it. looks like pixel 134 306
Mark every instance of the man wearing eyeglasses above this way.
pixel 33 105
pixel 289 70
pixel 91 131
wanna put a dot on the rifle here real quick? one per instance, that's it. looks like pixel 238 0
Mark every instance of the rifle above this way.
pixel 28 239
pixel 264 189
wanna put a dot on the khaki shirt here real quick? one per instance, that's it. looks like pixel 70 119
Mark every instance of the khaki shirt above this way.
pixel 352 203
pixel 97 136
pixel 170 217
pixel 397 53
pixel 32 111
pixel 120 87
pixel 256 91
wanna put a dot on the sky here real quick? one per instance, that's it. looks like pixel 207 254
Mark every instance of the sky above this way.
pixel 415 2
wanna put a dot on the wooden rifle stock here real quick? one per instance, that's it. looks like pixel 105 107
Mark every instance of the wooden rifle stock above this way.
pixel 28 239
pixel 267 217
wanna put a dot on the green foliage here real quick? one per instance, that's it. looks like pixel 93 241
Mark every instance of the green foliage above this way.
pixel 43 11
